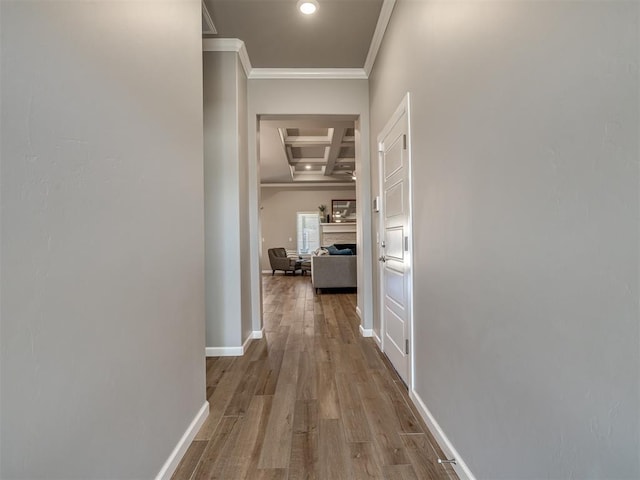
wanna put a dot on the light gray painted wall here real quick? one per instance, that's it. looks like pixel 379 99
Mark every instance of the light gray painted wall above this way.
pixel 342 97
pixel 102 290
pixel 226 213
pixel 525 150
pixel 278 213
pixel 245 232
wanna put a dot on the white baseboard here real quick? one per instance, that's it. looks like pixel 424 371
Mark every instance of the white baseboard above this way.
pixel 366 332
pixel 461 468
pixel 224 351
pixel 359 312
pixel 257 334
pixel 178 452
pixel 377 339
pixel 233 351
pixel 246 343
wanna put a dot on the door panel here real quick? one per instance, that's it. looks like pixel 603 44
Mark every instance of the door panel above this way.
pixel 393 158
pixel 395 240
pixel 394 200
pixel 395 329
pixel 394 284
pixel 395 267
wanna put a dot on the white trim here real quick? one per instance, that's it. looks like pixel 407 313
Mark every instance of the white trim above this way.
pixel 180 449
pixel 412 347
pixel 366 332
pixel 244 59
pixel 223 351
pixel 461 468
pixel 246 343
pixel 221 44
pixel 402 109
pixel 233 351
pixel 229 45
pixel 378 34
pixel 358 312
pixel 377 339
pixel 257 334
pixel 211 28
pixel 307 73
pixel 346 227
pixel 350 185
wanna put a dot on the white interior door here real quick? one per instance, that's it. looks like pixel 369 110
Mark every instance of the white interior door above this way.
pixel 395 265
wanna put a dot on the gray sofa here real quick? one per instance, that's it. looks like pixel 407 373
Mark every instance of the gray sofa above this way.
pixel 334 271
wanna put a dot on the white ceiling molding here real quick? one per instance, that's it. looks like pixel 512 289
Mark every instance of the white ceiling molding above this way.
pixel 229 45
pixel 314 185
pixel 307 73
pixel 208 26
pixel 378 34
pixel 237 45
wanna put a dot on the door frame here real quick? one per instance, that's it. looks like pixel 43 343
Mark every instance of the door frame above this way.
pixel 265 108
pixel 403 108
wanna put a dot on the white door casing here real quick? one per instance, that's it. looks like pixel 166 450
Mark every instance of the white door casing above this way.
pixel 395 242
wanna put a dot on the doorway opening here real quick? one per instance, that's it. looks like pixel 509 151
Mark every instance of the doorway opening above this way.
pixel 305 162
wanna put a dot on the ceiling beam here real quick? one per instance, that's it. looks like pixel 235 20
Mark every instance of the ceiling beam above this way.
pixel 316 143
pixel 315 176
pixel 310 161
pixel 308 140
pixel 287 152
pixel 334 149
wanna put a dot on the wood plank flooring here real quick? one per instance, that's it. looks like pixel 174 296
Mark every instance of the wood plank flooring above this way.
pixel 311 400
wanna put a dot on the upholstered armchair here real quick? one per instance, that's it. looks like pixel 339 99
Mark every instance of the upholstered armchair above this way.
pixel 279 261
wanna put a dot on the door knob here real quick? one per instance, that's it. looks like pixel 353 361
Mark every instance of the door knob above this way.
pixel 382 259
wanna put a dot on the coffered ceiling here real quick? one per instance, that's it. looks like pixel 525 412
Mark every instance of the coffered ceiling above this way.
pixel 307 149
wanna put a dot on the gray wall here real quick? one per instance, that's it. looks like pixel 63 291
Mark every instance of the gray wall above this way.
pixel 525 151
pixel 278 213
pixel 102 281
pixel 245 232
pixel 226 213
pixel 312 96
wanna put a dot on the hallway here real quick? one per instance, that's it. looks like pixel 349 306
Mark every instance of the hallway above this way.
pixel 312 400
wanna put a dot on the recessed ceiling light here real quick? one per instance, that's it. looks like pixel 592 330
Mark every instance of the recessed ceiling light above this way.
pixel 308 167
pixel 308 6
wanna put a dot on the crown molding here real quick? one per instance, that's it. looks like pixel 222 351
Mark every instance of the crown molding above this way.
pixel 307 73
pixel 206 16
pixel 229 45
pixel 237 45
pixel 349 185
pixel 378 35
pixel 244 59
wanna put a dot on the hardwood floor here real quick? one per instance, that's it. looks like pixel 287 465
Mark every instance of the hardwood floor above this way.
pixel 312 400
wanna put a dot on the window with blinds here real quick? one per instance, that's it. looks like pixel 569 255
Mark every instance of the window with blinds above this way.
pixel 308 226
